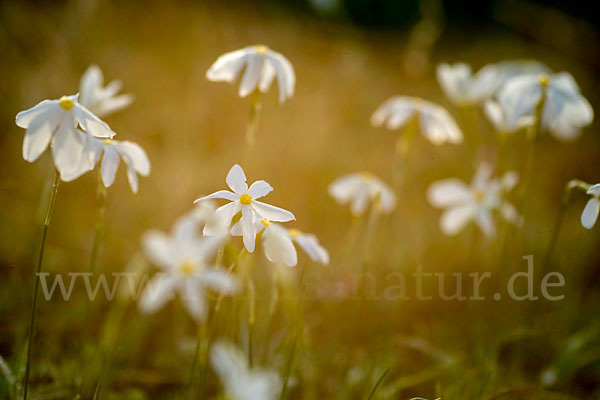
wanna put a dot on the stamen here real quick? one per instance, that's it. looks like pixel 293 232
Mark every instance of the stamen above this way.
pixel 245 199
pixel 66 103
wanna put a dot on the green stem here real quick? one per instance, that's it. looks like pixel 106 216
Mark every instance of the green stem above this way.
pixel 99 223
pixel 288 368
pixel 251 313
pixel 201 345
pixel 378 383
pixel 37 282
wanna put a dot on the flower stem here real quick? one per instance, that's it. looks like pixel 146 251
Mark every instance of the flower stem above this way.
pixel 378 383
pixel 251 314
pixel 201 347
pixel 288 368
pixel 99 223
pixel 254 118
pixel 37 282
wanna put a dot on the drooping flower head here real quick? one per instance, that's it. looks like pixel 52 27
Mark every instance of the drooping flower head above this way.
pixel 98 99
pixel 476 202
pixel 262 66
pixel 592 208
pixel 183 258
pixel 244 199
pixel 239 381
pixel 54 123
pixel 434 122
pixel 360 189
pixel 565 111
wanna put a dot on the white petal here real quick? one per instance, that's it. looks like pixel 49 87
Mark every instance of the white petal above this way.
pixel 227 66
pixel 594 190
pixel 193 299
pixel 91 81
pixel 248 228
pixel 310 244
pixel 279 248
pixel 24 118
pixel 286 78
pixel 259 189
pixel 67 149
pixel 159 248
pixel 220 281
pixel 157 292
pixel 387 197
pixel 345 188
pixel 486 223
pixel 135 156
pixel 448 192
pixel 132 178
pixel 236 180
pixel 90 123
pixel 221 194
pixel 272 213
pixel 267 76
pixel 114 104
pixel 360 201
pixel 482 176
pixel 224 215
pixel 110 163
pixel 455 219
pixel 251 76
pixel 39 133
pixel 590 213
pixel 438 125
pixel 228 362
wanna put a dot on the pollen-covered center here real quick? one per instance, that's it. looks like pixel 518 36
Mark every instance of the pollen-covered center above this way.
pixel 107 141
pixel 262 49
pixel 66 103
pixel 187 268
pixel 544 80
pixel 293 232
pixel 479 195
pixel 245 199
pixel 265 222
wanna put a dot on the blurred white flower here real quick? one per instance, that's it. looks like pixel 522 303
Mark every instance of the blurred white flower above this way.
pixel 278 243
pixel 239 381
pixel 244 199
pixel 464 203
pixel 435 123
pixel 490 78
pixel 498 117
pixel 361 188
pixel 109 152
pixel 457 83
pixel 565 110
pixel 183 257
pixel 262 66
pixel 101 100
pixel 54 122
pixel 592 208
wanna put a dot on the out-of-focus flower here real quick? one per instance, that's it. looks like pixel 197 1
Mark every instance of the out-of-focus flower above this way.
pixel 565 110
pixel 101 100
pixel 435 123
pixel 262 66
pixel 239 381
pixel 244 199
pixel 54 122
pixel 477 202
pixel 109 152
pixel 183 258
pixel 592 208
pixel 457 83
pixel 499 118
pixel 361 188
pixel 278 243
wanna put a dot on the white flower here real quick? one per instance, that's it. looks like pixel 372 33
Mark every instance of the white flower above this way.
pixel 262 66
pixel 476 202
pixel 239 381
pixel 434 121
pixel 244 199
pixel 182 257
pixel 101 100
pixel 54 122
pixel 360 188
pixel 457 83
pixel 278 243
pixel 565 110
pixel 592 208
pixel 109 152
pixel 499 118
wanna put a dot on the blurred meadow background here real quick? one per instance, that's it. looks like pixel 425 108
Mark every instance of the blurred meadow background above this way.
pixel 349 56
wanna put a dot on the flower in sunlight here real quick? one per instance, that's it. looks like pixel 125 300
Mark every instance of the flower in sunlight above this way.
pixel 434 122
pixel 262 66
pixel 108 152
pixel 54 123
pixel 278 243
pixel 499 118
pixel 565 111
pixel 489 79
pixel 244 199
pixel 476 202
pixel 239 381
pixel 458 84
pixel 592 208
pixel 101 100
pixel 183 258
pixel 361 188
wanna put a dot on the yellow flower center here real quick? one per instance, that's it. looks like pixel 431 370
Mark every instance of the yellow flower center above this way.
pixel 262 49
pixel 265 222
pixel 367 176
pixel 187 268
pixel 479 195
pixel 66 104
pixel 107 141
pixel 293 232
pixel 245 199
pixel 544 80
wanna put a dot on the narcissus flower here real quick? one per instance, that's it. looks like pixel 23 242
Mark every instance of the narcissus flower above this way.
pixel 499 118
pixel 477 202
pixel 361 188
pixel 244 199
pixel 262 64
pixel 565 110
pixel 592 208
pixel 109 152
pixel 278 243
pixel 434 122
pixel 239 381
pixel 54 122
pixel 458 84
pixel 183 258
pixel 101 100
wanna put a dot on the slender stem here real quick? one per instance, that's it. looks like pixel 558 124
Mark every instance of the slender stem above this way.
pixel 251 314
pixel 288 368
pixel 37 282
pixel 253 120
pixel 201 345
pixel 99 223
pixel 378 383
